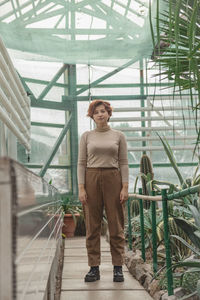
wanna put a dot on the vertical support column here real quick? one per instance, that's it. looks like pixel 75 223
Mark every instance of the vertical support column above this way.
pixel 74 128
pixel 142 100
pixel 167 243
pixel 130 245
pixel 149 134
pixel 3 146
pixel 154 234
pixel 67 144
pixel 142 225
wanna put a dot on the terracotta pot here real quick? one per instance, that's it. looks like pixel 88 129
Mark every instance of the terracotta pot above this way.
pixel 69 225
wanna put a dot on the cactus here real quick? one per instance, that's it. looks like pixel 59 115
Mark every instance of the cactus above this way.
pixel 146 168
pixel 178 249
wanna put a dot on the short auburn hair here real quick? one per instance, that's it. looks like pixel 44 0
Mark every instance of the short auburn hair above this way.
pixel 96 103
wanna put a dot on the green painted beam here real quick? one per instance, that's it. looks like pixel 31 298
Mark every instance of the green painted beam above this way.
pixel 55 147
pixel 73 21
pixel 169 273
pixel 166 165
pixel 54 125
pixel 96 82
pixel 43 16
pixel 27 89
pixel 73 129
pixel 126 6
pixel 190 190
pixel 142 228
pixel 62 31
pixel 52 82
pixel 39 166
pixel 25 15
pixel 50 104
pixel 124 22
pixel 108 97
pixel 3 2
pixel 142 101
pixel 108 85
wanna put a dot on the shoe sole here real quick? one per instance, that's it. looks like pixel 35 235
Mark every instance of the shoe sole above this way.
pixel 92 279
pixel 118 279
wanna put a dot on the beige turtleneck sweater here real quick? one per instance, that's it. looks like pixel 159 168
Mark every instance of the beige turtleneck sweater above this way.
pixel 102 148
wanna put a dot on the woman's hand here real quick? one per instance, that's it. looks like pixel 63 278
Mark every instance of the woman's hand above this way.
pixel 124 193
pixel 82 194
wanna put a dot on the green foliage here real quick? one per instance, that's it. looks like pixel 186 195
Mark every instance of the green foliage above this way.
pixel 190 279
pixel 178 249
pixel 70 208
pixel 177 49
pixel 135 221
pixel 172 159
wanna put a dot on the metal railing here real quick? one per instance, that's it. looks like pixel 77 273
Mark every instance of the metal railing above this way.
pixel 164 198
pixel 30 233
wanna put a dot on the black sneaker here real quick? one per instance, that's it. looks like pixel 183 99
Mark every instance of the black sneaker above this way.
pixel 93 274
pixel 118 274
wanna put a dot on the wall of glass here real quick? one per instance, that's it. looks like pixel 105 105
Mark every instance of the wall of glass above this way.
pixel 130 92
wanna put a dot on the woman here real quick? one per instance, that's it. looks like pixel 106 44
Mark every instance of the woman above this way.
pixel 103 182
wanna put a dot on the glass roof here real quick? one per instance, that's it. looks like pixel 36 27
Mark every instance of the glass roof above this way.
pixel 104 32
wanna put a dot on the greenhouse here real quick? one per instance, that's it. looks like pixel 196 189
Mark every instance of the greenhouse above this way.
pixel 99 101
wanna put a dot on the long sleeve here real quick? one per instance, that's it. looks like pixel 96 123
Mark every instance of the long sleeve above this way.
pixel 123 158
pixel 82 159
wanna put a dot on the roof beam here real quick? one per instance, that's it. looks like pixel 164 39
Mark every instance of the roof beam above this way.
pixel 52 82
pixel 96 82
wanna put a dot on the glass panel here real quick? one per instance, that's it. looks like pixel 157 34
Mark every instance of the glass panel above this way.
pixel 37 222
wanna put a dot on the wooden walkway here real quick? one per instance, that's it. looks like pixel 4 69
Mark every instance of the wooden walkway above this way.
pixel 75 267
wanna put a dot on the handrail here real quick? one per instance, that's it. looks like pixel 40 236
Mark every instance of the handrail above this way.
pixel 183 193
pixel 145 197
pixel 164 198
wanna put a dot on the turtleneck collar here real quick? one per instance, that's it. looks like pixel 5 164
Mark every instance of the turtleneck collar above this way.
pixel 103 129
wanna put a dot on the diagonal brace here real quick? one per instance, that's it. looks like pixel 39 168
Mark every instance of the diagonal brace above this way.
pixel 56 146
pixel 94 83
pixel 51 83
pixel 27 89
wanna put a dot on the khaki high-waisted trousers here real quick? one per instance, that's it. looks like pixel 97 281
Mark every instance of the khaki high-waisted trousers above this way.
pixel 103 186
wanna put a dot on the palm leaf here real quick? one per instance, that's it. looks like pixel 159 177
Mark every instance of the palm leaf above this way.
pixel 189 229
pixel 171 157
pixel 195 263
pixel 196 214
pixel 186 244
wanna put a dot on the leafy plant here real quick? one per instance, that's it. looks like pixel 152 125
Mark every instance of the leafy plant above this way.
pixel 147 227
pixel 70 208
pixel 177 47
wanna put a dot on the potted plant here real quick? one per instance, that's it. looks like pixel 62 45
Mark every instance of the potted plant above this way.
pixel 71 212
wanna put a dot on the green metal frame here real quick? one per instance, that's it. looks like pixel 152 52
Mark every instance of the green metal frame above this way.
pixel 142 226
pixel 56 146
pixel 154 234
pixel 73 129
pixel 165 198
pixel 142 100
pixel 73 96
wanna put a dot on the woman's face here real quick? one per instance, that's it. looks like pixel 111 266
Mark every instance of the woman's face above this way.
pixel 101 115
